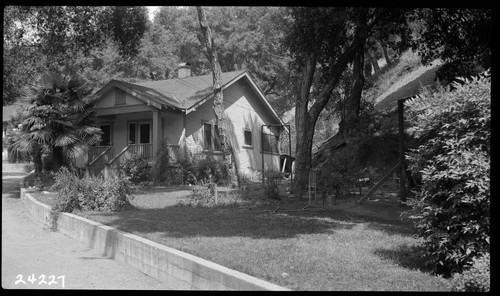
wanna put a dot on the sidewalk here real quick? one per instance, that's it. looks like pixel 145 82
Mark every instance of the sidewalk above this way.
pixel 51 256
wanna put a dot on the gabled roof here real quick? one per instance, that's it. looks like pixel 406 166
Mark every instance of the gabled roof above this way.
pixel 183 93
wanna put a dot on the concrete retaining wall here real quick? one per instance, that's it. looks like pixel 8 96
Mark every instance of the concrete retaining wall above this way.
pixel 178 269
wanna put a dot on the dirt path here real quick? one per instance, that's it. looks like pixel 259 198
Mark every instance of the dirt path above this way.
pixel 28 249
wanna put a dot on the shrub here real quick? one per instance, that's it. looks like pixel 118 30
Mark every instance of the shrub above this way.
pixel 271 184
pixel 475 279
pixel 136 169
pixel 165 168
pixel 204 196
pixel 451 209
pixel 204 168
pixel 89 193
pixel 13 155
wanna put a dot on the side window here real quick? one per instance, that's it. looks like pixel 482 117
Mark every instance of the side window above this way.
pixel 207 136
pixel 211 137
pixel 248 138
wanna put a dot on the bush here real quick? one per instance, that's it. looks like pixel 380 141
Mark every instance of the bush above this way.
pixel 201 168
pixel 89 194
pixel 14 156
pixel 165 168
pixel 136 169
pixel 451 209
pixel 271 184
pixel 475 279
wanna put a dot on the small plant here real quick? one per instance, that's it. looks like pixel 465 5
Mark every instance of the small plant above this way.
pixel 272 181
pixel 474 279
pixel 136 169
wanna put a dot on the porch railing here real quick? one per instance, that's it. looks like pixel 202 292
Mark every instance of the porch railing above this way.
pixel 143 150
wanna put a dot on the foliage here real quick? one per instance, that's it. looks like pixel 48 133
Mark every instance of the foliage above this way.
pixel 203 195
pixel 59 117
pixel 54 38
pixel 136 169
pixel 272 181
pixel 474 279
pixel 89 194
pixel 456 35
pixel 204 168
pixel 164 170
pixel 451 209
pixel 13 155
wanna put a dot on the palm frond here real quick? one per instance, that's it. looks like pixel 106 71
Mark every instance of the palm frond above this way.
pixel 65 140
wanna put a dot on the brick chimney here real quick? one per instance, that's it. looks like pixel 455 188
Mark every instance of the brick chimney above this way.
pixel 184 70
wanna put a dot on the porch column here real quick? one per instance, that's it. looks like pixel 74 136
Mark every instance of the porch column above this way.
pixel 157 131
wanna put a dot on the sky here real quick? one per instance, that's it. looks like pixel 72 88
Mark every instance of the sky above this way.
pixel 152 10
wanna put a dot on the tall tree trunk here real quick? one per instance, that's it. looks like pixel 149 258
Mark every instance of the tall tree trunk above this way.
pixel 305 120
pixel 354 100
pixel 218 105
pixel 386 55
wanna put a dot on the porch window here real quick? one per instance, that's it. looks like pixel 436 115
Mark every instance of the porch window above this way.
pixel 106 135
pixel 131 133
pixel 211 137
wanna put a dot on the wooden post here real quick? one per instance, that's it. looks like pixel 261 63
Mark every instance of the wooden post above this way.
pixel 402 177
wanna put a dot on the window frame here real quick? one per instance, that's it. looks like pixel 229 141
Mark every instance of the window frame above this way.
pixel 245 144
pixel 213 133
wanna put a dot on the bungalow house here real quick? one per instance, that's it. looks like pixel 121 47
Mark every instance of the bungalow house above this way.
pixel 139 117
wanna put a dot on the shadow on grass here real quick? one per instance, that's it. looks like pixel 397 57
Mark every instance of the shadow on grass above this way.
pixel 408 256
pixel 258 222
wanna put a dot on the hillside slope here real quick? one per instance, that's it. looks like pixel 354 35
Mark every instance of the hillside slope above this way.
pixel 399 84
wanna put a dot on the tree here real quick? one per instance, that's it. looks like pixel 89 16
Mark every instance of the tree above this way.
pixel 330 38
pixel 51 38
pixel 461 37
pixel 218 105
pixel 59 119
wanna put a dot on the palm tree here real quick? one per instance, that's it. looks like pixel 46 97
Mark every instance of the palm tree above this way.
pixel 59 118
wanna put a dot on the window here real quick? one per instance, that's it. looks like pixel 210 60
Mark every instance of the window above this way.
pixel 248 138
pixel 211 137
pixel 270 143
pixel 144 133
pixel 119 96
pixel 106 135
pixel 131 133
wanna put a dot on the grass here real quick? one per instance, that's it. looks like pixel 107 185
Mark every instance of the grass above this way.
pixel 345 247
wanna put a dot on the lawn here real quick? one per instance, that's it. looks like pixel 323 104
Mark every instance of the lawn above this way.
pixel 344 247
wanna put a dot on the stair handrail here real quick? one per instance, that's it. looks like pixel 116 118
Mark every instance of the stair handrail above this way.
pixel 100 155
pixel 118 155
